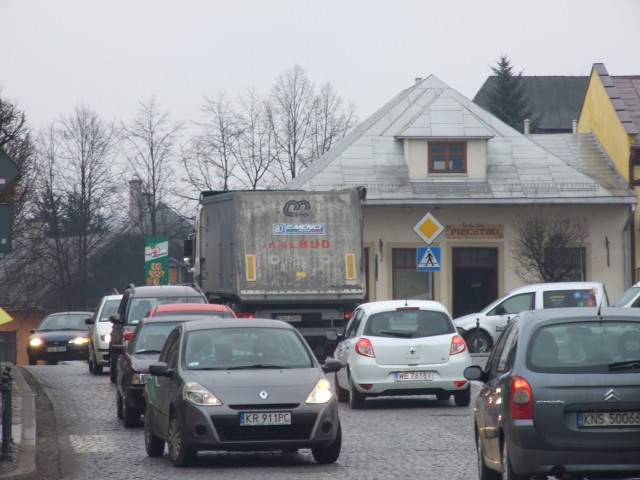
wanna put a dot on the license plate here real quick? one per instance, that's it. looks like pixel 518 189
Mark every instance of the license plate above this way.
pixel 56 349
pixel 412 376
pixel 258 419
pixel 608 419
pixel 289 318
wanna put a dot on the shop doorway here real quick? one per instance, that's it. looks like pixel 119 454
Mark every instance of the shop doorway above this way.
pixel 475 279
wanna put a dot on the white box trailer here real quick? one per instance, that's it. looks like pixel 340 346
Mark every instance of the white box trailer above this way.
pixel 284 254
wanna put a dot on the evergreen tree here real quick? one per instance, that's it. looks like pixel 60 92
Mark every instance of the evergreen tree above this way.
pixel 507 98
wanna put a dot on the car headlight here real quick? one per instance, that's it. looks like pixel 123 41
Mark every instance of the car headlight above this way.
pixel 321 393
pixel 79 341
pixel 139 378
pixel 106 338
pixel 35 342
pixel 198 395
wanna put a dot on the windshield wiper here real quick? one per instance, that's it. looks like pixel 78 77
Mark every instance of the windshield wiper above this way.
pixel 624 365
pixel 146 351
pixel 256 365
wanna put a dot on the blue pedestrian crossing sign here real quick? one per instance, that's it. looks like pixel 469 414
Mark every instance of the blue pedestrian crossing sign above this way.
pixel 428 259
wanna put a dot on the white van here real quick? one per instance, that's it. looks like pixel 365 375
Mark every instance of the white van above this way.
pixel 482 329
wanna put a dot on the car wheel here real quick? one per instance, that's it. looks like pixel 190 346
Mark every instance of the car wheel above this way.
pixel 331 452
pixel 341 394
pixel 119 407
pixel 356 399
pixel 130 415
pixel 507 470
pixel 97 369
pixel 463 397
pixel 33 361
pixel 484 473
pixel 113 366
pixel 152 443
pixel 180 454
pixel 478 341
pixel 443 396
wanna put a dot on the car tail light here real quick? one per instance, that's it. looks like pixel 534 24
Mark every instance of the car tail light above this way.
pixel 347 315
pixel 128 335
pixel 364 348
pixel 458 345
pixel 520 399
pixel 244 315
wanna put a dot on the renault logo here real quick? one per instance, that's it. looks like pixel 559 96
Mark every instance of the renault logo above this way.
pixel 412 350
pixel 263 395
pixel 611 395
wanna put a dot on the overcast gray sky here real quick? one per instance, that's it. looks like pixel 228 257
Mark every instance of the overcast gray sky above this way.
pixel 112 54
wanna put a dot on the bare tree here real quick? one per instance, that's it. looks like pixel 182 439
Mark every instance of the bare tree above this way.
pixel 149 149
pixel 290 110
pixel 257 149
pixel 211 156
pixel 329 122
pixel 76 188
pixel 549 245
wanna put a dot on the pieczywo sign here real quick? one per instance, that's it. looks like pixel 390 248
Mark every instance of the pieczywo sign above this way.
pixel 474 231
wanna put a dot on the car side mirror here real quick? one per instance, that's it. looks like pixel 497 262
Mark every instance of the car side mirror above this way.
pixel 331 365
pixel 89 321
pixel 161 370
pixel 475 372
pixel 115 318
pixel 119 349
pixel 332 335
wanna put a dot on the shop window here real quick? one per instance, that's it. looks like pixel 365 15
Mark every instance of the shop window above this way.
pixel 449 157
pixel 407 281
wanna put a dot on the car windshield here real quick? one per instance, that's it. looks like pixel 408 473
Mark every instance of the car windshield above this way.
pixel 245 348
pixel 150 337
pixel 71 321
pixel 140 306
pixel 408 323
pixel 110 307
pixel 584 347
pixel 626 297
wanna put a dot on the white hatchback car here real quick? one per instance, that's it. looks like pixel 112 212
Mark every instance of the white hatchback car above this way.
pixel 401 347
pixel 100 333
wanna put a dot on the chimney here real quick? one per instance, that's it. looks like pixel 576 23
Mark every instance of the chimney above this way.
pixel 574 126
pixel 418 80
pixel 135 198
pixel 527 126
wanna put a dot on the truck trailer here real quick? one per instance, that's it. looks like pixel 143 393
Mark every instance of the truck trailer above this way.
pixel 290 255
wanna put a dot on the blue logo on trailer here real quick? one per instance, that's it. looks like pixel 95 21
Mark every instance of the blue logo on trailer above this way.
pixel 428 259
pixel 298 228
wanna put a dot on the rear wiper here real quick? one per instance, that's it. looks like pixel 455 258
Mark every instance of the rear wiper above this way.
pixel 397 334
pixel 624 365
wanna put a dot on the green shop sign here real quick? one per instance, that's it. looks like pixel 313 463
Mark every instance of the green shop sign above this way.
pixel 156 260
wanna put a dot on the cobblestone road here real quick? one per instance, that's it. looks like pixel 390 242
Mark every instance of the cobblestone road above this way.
pixel 415 437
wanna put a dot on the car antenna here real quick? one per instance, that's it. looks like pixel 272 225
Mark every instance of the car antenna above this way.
pixel 600 306
pixel 406 302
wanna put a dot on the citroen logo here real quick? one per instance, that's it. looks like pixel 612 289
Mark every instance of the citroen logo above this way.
pixel 263 395
pixel 611 395
pixel 412 350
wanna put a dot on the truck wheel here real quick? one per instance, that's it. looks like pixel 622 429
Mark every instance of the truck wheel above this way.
pixel 479 341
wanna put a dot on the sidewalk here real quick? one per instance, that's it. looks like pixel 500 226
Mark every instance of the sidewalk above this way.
pixel 22 462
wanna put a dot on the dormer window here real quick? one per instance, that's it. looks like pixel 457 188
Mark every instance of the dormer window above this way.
pixel 447 157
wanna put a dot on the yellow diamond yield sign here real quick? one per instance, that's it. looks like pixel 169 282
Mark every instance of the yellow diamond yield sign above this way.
pixel 428 228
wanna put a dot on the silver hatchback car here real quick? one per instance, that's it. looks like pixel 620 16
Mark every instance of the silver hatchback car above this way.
pixel 561 396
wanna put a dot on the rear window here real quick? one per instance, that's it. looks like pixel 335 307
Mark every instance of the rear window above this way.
pixel 584 347
pixel 408 324
pixel 139 307
pixel 212 313
pixel 569 298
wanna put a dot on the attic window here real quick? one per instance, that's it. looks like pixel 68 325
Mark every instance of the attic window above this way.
pixel 448 157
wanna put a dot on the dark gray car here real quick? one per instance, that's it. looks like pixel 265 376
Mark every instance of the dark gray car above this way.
pixel 237 385
pixel 561 396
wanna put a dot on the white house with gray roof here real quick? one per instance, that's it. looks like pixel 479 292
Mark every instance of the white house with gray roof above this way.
pixel 432 151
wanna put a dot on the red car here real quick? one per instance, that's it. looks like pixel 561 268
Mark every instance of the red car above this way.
pixel 200 309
